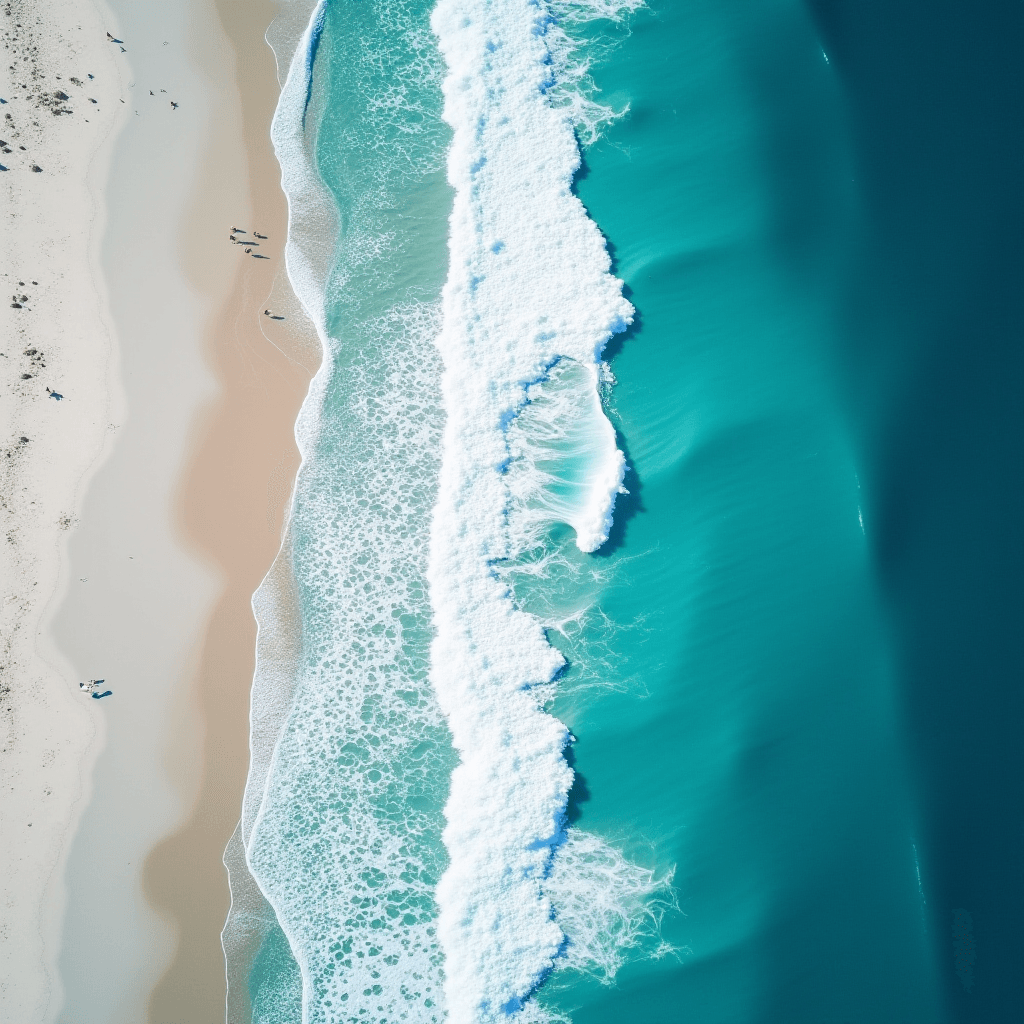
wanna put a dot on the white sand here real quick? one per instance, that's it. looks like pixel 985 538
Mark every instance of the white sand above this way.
pixel 138 618
pixel 52 221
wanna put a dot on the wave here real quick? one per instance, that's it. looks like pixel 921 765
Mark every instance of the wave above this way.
pixel 312 232
pixel 339 850
pixel 529 306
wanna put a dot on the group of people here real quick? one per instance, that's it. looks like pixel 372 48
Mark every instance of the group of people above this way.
pixel 244 241
pixel 93 689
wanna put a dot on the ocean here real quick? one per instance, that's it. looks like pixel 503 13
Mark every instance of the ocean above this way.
pixel 656 551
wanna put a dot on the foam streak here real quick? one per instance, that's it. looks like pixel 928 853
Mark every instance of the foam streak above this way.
pixel 529 284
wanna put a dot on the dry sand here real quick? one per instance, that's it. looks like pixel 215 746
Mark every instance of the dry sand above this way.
pixel 187 423
pixel 60 337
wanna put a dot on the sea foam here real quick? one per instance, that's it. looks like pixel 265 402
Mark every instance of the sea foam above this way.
pixel 350 757
pixel 312 233
pixel 342 818
pixel 529 294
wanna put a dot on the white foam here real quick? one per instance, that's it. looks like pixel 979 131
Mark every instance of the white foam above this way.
pixel 529 285
pixel 606 905
pixel 340 847
pixel 348 886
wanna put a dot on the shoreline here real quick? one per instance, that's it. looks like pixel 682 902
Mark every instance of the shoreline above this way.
pixel 275 601
pixel 254 425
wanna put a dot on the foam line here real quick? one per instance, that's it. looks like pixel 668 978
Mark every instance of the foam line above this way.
pixel 529 285
pixel 343 809
pixel 312 230
pixel 308 253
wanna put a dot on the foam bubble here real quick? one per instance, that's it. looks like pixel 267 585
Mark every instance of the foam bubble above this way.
pixel 529 287
pixel 350 754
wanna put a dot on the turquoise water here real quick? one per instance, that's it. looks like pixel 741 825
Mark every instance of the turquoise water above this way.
pixel 757 829
pixel 764 758
pixel 347 844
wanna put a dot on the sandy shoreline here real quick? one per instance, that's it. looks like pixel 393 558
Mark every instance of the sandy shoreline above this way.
pixel 181 520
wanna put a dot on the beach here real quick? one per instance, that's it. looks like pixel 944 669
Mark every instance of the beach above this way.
pixel 511 512
pixel 159 503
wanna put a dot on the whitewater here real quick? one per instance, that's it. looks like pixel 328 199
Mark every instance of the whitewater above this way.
pixel 404 824
pixel 529 285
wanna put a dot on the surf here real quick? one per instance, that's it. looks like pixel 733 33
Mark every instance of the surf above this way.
pixel 528 308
